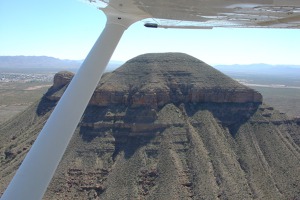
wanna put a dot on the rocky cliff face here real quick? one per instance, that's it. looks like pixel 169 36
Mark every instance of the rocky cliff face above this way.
pixel 155 80
pixel 151 133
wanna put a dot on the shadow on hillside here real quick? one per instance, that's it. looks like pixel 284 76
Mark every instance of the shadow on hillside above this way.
pixel 45 105
pixel 119 122
pixel 230 115
pixel 123 141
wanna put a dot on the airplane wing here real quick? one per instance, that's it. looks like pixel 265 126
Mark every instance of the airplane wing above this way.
pixel 210 13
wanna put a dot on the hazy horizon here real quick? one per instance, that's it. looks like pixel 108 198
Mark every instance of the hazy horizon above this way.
pixel 121 62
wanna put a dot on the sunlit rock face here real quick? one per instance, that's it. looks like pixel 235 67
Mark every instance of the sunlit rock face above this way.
pixel 166 126
pixel 155 80
pixel 61 79
pixel 158 79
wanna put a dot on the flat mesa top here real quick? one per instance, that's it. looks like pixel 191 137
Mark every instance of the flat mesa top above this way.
pixel 210 13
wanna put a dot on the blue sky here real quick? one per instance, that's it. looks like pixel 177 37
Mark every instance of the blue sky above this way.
pixel 67 29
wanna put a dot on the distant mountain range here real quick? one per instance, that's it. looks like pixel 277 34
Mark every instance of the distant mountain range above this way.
pixel 36 62
pixel 45 62
pixel 260 69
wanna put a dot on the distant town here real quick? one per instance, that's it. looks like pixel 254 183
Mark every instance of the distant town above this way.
pixel 26 77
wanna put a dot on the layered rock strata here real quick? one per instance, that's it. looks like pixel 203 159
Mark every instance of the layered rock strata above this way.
pixel 155 80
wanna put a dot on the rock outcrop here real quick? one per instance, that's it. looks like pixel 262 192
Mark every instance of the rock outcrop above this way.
pixel 153 133
pixel 61 79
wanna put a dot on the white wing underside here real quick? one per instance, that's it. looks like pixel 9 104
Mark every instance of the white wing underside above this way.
pixel 210 13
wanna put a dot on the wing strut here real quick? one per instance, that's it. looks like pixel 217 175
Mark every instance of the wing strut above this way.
pixel 38 167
